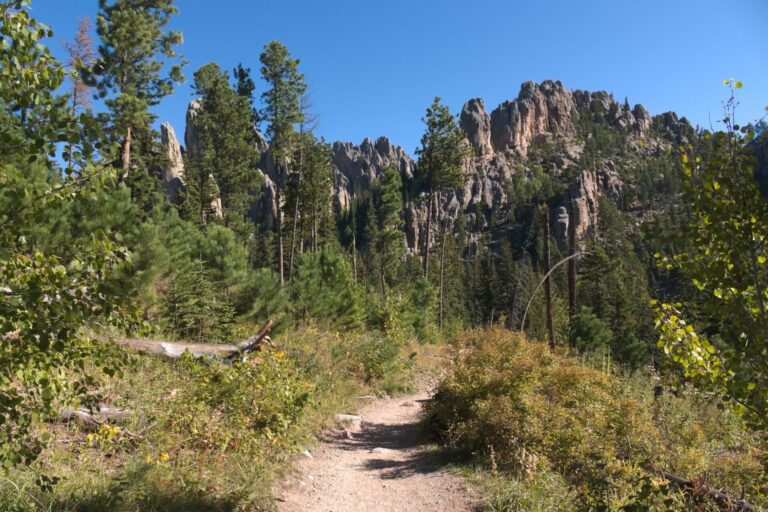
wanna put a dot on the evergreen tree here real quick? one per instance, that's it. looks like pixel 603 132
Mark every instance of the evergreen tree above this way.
pixel 134 46
pixel 323 289
pixel 245 87
pixel 282 111
pixel 388 241
pixel 612 282
pixel 195 309
pixel 227 155
pixel 441 156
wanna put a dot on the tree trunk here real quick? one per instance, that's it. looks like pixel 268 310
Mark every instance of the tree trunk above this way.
pixel 279 228
pixel 426 235
pixel 202 199
pixel 296 203
pixel 126 155
pixel 571 263
pixel 354 255
pixel 175 350
pixel 302 234
pixel 314 228
pixel 547 282
pixel 382 277
pixel 442 274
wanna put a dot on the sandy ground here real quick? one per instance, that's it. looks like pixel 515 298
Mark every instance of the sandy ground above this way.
pixel 376 465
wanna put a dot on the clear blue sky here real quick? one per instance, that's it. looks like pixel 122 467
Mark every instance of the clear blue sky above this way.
pixel 373 67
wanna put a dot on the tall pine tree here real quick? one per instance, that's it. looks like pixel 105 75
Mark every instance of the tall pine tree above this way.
pixel 134 47
pixel 282 111
pixel 441 155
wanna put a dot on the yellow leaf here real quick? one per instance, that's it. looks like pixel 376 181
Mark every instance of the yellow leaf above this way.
pixel 738 85
pixel 726 82
pixel 761 259
pixel 715 185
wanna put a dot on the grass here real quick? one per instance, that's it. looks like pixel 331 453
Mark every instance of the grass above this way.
pixel 211 437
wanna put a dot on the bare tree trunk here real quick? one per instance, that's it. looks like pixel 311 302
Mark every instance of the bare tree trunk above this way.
pixel 296 203
pixel 280 247
pixel 547 282
pixel 382 278
pixel 571 263
pixel 302 234
pixel 426 235
pixel 442 273
pixel 314 228
pixel 354 255
pixel 202 199
pixel 126 154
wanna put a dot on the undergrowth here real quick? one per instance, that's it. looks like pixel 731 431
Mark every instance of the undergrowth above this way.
pixel 204 436
pixel 547 433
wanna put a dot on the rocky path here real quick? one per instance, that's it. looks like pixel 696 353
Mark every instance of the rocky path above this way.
pixel 376 465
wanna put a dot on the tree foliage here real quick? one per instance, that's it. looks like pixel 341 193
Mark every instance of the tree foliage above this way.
pixel 48 297
pixel 226 157
pixel 726 259
pixel 134 46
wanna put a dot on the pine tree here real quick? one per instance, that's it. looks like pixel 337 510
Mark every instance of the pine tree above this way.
pixel 323 289
pixel 441 155
pixel 245 87
pixel 134 46
pixel 388 241
pixel 227 151
pixel 195 310
pixel 282 111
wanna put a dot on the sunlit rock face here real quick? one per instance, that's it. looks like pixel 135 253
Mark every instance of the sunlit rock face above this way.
pixel 476 125
pixel 357 167
pixel 173 173
pixel 505 143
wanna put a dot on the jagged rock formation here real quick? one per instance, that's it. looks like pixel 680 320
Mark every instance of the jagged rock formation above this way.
pixel 583 194
pixel 548 110
pixel 356 168
pixel 476 124
pixel 191 139
pixel 173 174
pixel 502 143
pixel 538 112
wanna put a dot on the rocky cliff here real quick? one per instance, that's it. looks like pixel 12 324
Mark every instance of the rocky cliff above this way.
pixel 542 115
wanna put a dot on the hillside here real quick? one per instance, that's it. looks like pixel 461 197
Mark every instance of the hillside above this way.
pixel 568 293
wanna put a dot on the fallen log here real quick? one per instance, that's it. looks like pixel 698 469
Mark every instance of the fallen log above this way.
pixel 97 419
pixel 224 351
pixel 723 500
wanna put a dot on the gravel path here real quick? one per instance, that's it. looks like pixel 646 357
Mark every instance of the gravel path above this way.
pixel 376 465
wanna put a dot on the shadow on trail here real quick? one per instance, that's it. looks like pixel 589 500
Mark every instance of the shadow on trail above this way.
pixel 399 447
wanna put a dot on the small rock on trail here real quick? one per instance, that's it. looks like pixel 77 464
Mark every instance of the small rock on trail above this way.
pixel 377 467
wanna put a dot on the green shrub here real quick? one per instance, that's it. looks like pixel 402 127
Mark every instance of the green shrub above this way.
pixel 528 411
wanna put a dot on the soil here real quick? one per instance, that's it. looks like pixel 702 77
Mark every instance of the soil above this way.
pixel 377 464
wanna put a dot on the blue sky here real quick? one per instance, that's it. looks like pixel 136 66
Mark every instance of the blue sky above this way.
pixel 374 67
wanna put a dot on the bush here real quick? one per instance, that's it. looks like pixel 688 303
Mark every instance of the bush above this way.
pixel 529 412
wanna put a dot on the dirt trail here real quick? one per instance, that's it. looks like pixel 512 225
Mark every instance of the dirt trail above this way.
pixel 377 466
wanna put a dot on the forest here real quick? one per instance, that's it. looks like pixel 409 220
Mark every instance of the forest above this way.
pixel 585 284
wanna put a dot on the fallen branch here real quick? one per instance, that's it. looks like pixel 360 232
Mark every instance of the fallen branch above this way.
pixel 94 421
pixel 722 499
pixel 175 350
